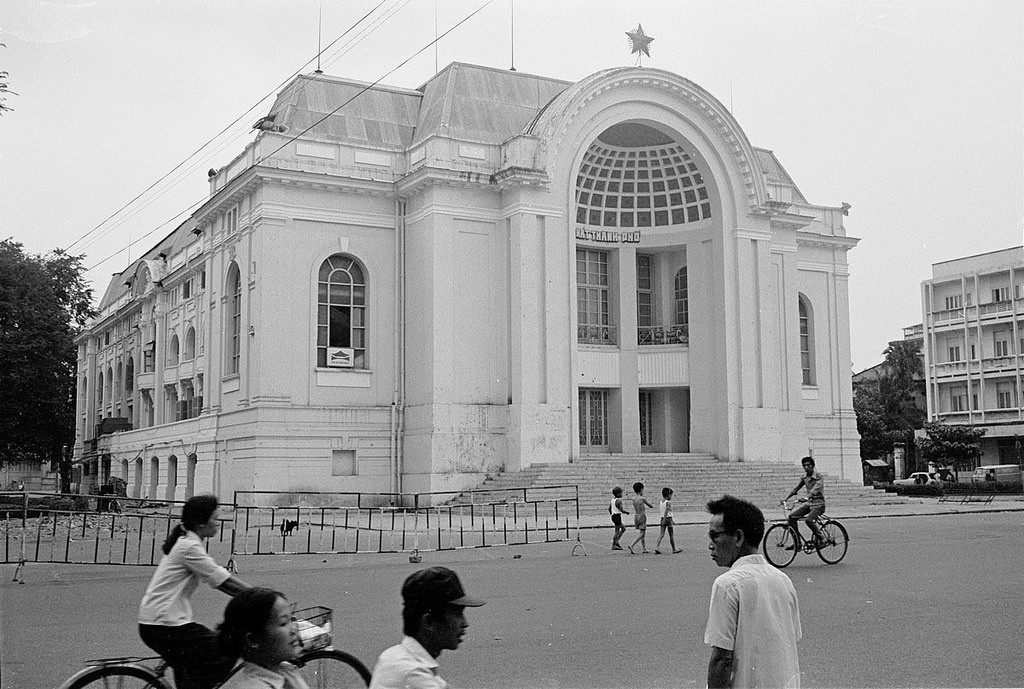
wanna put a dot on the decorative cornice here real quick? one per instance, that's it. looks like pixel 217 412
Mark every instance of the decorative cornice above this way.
pixel 527 209
pixel 249 180
pixel 281 211
pixel 427 176
pixel 756 235
pixel 516 176
pixel 460 212
pixel 553 123
pixel 830 241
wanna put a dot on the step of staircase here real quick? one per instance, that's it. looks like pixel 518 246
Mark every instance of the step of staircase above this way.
pixel 694 478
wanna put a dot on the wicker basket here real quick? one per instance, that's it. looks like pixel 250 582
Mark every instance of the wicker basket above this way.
pixel 313 625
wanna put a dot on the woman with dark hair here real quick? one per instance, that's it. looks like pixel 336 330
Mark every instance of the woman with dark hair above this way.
pixel 165 614
pixel 258 628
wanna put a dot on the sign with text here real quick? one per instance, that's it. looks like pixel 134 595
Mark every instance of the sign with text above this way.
pixel 607 236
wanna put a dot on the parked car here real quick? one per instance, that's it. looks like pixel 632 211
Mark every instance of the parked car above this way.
pixel 919 478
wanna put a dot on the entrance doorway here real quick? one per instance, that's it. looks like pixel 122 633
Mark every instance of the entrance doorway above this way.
pixel 593 420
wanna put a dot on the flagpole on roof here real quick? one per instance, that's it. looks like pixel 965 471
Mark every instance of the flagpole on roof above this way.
pixel 512 29
pixel 435 36
pixel 319 37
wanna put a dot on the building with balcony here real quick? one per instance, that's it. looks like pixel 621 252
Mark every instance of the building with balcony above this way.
pixel 404 290
pixel 973 311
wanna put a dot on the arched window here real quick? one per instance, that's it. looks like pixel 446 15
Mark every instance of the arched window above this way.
pixel 233 321
pixel 806 342
pixel 341 314
pixel 129 377
pixel 172 351
pixel 190 345
pixel 682 301
pixel 108 385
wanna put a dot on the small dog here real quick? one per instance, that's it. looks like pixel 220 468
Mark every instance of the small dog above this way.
pixel 288 525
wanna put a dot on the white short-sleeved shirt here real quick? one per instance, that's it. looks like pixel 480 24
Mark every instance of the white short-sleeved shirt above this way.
pixel 407 666
pixel 167 599
pixel 252 676
pixel 754 614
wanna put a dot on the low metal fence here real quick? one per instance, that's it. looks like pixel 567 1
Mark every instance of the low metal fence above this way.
pixel 89 529
pixel 322 523
pixel 81 533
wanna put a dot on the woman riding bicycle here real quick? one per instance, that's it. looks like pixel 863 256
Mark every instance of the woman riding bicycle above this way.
pixel 165 614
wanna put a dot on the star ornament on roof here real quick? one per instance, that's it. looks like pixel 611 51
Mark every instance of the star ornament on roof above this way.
pixel 639 42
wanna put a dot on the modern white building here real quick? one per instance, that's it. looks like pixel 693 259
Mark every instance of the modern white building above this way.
pixel 403 290
pixel 973 311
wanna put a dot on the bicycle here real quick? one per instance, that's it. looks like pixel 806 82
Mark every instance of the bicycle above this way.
pixel 781 543
pixel 322 665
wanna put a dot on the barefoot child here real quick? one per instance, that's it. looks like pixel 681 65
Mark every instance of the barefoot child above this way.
pixel 640 506
pixel 617 510
pixel 665 510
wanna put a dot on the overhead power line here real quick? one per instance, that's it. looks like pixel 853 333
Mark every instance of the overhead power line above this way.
pixel 192 155
pixel 342 51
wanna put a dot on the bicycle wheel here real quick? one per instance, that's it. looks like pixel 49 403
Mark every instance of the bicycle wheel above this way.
pixel 780 545
pixel 832 548
pixel 328 668
pixel 114 677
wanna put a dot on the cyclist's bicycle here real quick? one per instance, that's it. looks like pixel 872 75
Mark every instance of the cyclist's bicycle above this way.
pixel 781 542
pixel 321 665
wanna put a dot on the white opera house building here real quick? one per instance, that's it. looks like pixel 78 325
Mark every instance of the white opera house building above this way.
pixel 406 290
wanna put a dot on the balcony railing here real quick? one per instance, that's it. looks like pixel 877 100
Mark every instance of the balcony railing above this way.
pixel 661 335
pixel 950 368
pixel 113 424
pixel 947 315
pixel 1000 363
pixel 597 334
pixel 995 307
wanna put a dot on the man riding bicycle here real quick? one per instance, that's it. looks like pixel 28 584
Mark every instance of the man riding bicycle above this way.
pixel 814 504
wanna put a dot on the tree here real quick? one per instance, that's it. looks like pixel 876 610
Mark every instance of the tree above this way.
pixel 44 301
pixel 886 406
pixel 4 88
pixel 957 445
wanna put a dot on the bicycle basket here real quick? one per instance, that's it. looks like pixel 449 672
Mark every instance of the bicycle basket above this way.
pixel 313 625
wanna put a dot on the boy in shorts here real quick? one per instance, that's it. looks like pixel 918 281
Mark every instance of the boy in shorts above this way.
pixel 640 506
pixel 665 511
pixel 617 510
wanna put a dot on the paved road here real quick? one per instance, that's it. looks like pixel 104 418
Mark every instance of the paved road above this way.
pixel 920 601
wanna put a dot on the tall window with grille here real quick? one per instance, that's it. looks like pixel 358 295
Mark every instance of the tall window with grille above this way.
pixel 592 297
pixel 593 418
pixel 646 418
pixel 644 292
pixel 1001 343
pixel 806 343
pixel 682 301
pixel 233 322
pixel 1006 395
pixel 958 399
pixel 341 314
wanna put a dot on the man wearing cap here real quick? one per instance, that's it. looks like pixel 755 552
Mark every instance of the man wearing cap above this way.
pixel 433 620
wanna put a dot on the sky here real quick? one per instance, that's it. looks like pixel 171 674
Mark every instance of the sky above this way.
pixel 911 111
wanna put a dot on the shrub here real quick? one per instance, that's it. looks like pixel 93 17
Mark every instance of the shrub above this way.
pixel 918 490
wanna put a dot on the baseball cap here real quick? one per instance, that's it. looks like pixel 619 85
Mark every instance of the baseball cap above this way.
pixel 435 586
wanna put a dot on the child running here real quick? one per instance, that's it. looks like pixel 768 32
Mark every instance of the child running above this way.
pixel 640 506
pixel 617 510
pixel 665 511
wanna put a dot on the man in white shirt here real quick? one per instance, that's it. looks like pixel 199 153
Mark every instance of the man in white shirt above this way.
pixel 754 620
pixel 433 619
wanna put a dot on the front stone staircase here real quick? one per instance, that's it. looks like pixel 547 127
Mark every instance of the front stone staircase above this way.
pixel 694 478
